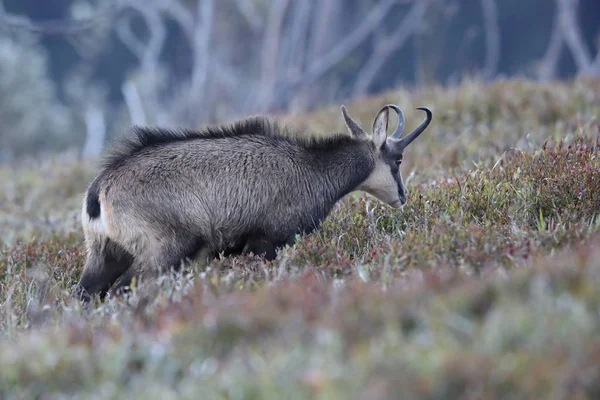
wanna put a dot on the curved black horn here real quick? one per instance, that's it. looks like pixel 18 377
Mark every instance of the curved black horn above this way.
pixel 401 121
pixel 405 141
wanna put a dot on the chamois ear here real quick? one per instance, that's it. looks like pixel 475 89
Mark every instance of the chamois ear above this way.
pixel 353 128
pixel 380 125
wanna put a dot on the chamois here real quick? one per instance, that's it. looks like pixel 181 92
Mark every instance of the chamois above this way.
pixel 164 196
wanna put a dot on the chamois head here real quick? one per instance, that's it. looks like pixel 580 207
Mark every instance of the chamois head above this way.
pixel 385 181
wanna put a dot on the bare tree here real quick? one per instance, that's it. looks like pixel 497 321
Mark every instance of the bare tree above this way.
pixel 568 22
pixel 95 133
pixel 59 27
pixel 370 23
pixel 248 9
pixel 385 47
pixel 566 31
pixel 297 44
pixel 201 48
pixel 323 34
pixel 492 38
pixel 147 53
pixel 317 66
pixel 197 28
pixel 270 54
pixel 286 58
pixel 199 32
pixel 134 103
pixel 547 67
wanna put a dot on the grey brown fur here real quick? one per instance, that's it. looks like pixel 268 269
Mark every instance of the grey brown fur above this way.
pixel 164 196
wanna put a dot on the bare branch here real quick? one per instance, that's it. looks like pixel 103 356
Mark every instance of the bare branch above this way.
pixel 324 22
pixel 181 15
pixel 95 131
pixel 270 53
pixel 61 27
pixel 227 76
pixel 248 9
pixel 351 42
pixel 134 103
pixel 298 41
pixel 596 64
pixel 547 68
pixel 201 46
pixel 128 38
pixel 595 67
pixel 158 36
pixel 323 19
pixel 572 34
pixel 389 45
pixel 323 64
pixel 492 38
pixel 147 53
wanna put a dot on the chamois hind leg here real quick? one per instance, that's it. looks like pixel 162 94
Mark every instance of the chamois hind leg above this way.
pixel 261 246
pixel 106 261
pixel 203 256
pixel 123 283
pixel 158 259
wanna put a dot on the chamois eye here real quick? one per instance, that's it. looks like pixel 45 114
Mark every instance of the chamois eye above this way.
pixel 398 162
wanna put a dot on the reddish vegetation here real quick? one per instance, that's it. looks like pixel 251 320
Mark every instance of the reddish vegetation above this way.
pixel 483 286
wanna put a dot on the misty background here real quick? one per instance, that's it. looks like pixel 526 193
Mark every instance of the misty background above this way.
pixel 75 73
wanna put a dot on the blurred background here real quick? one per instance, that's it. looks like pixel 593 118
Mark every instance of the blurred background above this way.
pixel 75 73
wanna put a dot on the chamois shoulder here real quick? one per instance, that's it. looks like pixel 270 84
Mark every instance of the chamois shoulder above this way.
pixel 142 137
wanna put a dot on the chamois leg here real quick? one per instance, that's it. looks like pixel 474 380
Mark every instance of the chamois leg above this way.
pixel 290 241
pixel 203 256
pixel 261 246
pixel 159 259
pixel 105 263
pixel 122 285
pixel 234 250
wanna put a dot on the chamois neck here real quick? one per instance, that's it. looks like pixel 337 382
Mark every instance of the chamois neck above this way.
pixel 345 168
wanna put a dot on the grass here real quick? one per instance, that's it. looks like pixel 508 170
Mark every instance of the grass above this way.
pixel 485 285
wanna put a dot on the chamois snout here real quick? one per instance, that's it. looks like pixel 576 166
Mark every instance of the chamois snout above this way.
pixel 401 199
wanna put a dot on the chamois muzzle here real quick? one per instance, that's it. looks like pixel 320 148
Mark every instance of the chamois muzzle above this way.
pixel 402 142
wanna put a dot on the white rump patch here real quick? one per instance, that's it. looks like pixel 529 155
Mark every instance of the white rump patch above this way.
pixel 98 225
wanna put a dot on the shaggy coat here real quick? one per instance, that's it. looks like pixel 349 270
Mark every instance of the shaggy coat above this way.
pixel 164 196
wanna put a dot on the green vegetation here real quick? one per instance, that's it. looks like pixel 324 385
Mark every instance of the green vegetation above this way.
pixel 485 285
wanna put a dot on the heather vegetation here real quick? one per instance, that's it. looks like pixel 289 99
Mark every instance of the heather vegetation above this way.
pixel 485 285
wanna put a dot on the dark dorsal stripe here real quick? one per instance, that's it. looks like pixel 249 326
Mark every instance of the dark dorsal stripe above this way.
pixel 142 137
